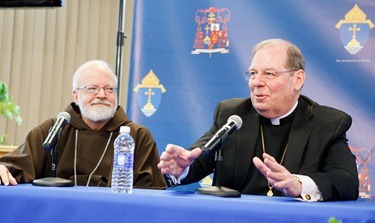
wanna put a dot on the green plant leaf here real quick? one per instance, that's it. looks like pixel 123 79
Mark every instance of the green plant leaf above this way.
pixel 8 109
pixel 3 138
pixel 333 220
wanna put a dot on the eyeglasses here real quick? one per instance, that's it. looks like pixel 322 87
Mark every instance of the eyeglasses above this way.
pixel 96 89
pixel 267 75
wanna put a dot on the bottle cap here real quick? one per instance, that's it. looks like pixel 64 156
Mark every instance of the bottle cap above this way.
pixel 124 129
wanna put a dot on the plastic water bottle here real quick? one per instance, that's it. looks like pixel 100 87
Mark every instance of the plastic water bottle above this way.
pixel 122 174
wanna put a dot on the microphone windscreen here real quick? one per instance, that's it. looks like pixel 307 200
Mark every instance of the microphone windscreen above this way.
pixel 236 119
pixel 64 115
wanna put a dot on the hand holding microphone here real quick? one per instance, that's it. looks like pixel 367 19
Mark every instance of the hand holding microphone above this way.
pixel 63 118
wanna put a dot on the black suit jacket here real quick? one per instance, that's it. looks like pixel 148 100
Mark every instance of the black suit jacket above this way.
pixel 317 147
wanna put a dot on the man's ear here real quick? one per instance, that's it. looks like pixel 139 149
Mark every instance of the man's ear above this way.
pixel 75 97
pixel 300 79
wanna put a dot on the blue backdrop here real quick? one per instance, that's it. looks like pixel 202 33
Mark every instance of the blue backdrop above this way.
pixel 188 55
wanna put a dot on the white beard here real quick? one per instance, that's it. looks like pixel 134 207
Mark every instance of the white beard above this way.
pixel 98 113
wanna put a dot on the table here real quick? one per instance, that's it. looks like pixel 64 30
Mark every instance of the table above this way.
pixel 6 149
pixel 27 203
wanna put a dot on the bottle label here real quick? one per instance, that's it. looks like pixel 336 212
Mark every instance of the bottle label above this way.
pixel 121 160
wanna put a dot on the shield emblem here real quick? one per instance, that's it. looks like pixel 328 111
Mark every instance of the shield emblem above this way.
pixel 149 94
pixel 149 100
pixel 354 30
pixel 354 36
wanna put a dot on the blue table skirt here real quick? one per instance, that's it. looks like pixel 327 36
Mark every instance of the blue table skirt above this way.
pixel 27 203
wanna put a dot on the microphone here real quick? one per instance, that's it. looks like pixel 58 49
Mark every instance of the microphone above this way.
pixel 63 118
pixel 234 123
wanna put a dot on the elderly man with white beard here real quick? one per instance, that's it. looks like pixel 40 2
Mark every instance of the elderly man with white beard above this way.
pixel 85 146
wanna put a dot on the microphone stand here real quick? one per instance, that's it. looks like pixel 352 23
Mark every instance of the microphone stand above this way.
pixel 53 181
pixel 120 43
pixel 218 190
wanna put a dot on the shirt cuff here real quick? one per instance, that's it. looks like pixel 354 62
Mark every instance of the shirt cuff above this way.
pixel 177 180
pixel 310 191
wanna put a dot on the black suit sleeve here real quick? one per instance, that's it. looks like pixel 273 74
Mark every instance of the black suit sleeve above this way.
pixel 338 178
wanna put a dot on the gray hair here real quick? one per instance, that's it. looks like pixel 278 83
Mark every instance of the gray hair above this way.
pixel 88 64
pixel 295 60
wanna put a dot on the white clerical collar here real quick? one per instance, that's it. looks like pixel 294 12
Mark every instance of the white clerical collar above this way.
pixel 276 121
